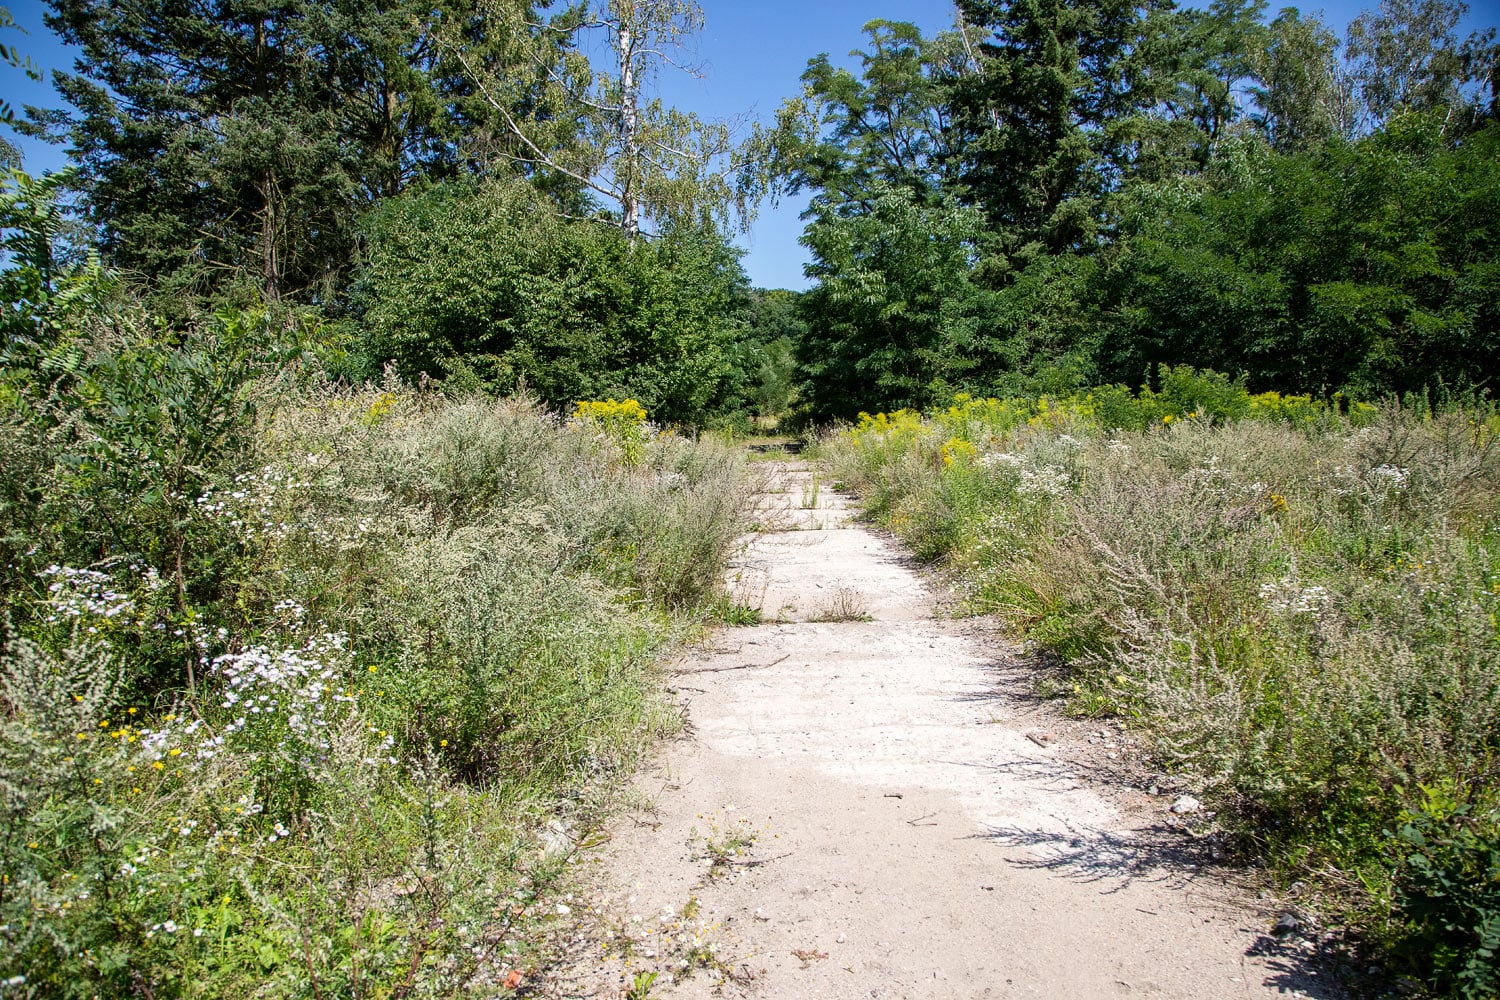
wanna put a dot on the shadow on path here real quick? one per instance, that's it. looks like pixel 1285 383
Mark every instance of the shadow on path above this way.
pixel 1165 856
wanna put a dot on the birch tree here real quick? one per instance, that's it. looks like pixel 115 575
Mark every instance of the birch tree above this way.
pixel 596 124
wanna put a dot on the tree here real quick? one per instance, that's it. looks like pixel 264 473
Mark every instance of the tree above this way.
pixel 1215 60
pixel 46 295
pixel 1406 55
pixel 1187 72
pixel 1366 266
pixel 1482 67
pixel 10 155
pixel 1030 122
pixel 1303 93
pixel 241 138
pixel 767 351
pixel 479 283
pixel 889 125
pixel 599 131
pixel 895 317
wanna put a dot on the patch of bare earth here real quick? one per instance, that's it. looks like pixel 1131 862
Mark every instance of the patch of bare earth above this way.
pixel 869 802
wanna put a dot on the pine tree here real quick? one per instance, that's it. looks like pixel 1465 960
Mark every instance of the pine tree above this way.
pixel 241 139
pixel 1032 122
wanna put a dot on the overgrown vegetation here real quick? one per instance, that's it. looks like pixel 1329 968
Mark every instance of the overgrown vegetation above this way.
pixel 293 671
pixel 485 286
pixel 1296 602
pixel 1050 197
pixel 302 623
pixel 306 756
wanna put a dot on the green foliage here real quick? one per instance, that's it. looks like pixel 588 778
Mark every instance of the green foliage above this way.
pixel 885 127
pixel 116 445
pixel 1334 235
pixel 1300 98
pixel 47 297
pixel 1407 56
pixel 291 668
pixel 763 361
pixel 1364 267
pixel 1047 87
pixel 411 623
pixel 10 56
pixel 576 110
pixel 485 287
pixel 151 853
pixel 894 318
pixel 1448 889
pixel 235 145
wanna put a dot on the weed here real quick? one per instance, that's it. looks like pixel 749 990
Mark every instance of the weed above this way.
pixel 640 986
pixel 1448 885
pixel 728 612
pixel 807 956
pixel 723 844
pixel 845 604
pixel 810 493
pixel 286 713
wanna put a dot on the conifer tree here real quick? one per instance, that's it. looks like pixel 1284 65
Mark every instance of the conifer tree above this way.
pixel 242 138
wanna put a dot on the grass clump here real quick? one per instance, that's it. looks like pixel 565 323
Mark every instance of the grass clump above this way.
pixel 1297 603
pixel 293 673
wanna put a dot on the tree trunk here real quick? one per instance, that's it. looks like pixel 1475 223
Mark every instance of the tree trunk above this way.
pixel 630 213
pixel 270 266
pixel 270 261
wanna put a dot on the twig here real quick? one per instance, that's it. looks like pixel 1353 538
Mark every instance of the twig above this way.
pixel 720 670
pixel 758 862
pixel 919 819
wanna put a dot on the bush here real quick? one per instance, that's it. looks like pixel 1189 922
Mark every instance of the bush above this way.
pixel 289 687
pixel 484 287
pixel 1448 890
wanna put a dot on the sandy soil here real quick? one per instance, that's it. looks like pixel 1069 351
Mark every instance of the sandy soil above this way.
pixel 869 802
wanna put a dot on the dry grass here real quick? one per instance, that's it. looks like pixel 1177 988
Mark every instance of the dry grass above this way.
pixel 845 604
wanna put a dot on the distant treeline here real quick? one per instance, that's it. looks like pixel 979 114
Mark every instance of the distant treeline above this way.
pixel 1057 195
pixel 1051 195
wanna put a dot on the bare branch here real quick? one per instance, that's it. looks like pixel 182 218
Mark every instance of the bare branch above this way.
pixel 542 158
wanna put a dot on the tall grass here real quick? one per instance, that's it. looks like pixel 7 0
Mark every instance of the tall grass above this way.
pixel 1297 605
pixel 285 720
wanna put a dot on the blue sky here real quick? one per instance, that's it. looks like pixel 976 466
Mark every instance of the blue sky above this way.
pixel 751 55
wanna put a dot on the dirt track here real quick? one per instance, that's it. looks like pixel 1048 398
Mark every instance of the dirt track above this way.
pixel 914 833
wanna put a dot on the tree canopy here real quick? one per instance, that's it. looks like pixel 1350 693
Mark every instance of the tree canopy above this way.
pixel 1154 186
pixel 1048 194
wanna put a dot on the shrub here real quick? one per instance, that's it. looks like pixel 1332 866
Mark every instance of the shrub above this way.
pixel 1448 889
pixel 412 626
pixel 484 287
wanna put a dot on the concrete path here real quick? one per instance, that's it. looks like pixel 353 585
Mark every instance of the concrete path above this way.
pixel 864 806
